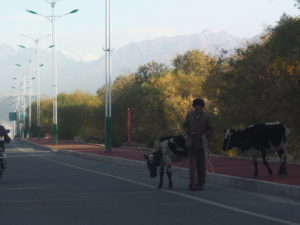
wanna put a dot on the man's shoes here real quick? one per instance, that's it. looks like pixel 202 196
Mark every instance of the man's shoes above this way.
pixel 200 188
pixel 195 187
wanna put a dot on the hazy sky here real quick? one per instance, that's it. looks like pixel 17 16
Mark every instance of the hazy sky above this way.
pixel 82 34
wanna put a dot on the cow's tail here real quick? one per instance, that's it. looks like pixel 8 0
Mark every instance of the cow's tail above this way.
pixel 287 132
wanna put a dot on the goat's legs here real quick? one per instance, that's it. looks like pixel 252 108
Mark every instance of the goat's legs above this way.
pixel 169 173
pixel 161 177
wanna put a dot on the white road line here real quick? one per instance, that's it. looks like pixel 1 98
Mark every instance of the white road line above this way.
pixel 195 198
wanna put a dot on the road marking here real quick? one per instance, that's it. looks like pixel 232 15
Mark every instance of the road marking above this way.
pixel 195 198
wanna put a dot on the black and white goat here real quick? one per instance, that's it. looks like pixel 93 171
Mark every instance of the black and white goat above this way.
pixel 260 139
pixel 165 150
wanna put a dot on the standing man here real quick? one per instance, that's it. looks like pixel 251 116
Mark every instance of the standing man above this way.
pixel 197 125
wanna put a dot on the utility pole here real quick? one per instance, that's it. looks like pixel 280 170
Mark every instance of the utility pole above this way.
pixel 108 50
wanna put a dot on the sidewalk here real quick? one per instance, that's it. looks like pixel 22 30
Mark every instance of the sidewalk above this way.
pixel 226 171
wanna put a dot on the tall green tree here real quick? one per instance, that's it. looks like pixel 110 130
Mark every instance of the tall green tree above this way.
pixel 149 71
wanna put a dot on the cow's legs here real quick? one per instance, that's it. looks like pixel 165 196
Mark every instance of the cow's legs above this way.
pixel 266 163
pixel 169 173
pixel 283 163
pixel 254 160
pixel 161 177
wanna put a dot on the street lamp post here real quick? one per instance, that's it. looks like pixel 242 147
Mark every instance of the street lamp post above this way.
pixel 108 50
pixel 22 104
pixel 38 78
pixel 17 110
pixel 29 92
pixel 38 104
pixel 52 19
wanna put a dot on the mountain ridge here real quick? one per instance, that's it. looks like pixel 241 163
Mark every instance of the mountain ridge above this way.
pixel 89 76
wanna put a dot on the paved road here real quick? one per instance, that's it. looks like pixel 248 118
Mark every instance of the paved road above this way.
pixel 45 188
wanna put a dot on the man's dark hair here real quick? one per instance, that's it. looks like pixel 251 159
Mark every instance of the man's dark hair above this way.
pixel 198 101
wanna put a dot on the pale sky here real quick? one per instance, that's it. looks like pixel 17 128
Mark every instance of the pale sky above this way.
pixel 82 34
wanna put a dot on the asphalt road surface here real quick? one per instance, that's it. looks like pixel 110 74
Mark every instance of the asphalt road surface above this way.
pixel 45 188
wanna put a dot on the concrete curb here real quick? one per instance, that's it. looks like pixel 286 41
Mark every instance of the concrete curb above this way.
pixel 42 147
pixel 265 187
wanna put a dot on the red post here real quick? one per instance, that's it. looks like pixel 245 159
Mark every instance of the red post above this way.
pixel 129 126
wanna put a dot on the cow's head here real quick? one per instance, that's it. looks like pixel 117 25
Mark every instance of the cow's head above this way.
pixel 228 144
pixel 153 161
